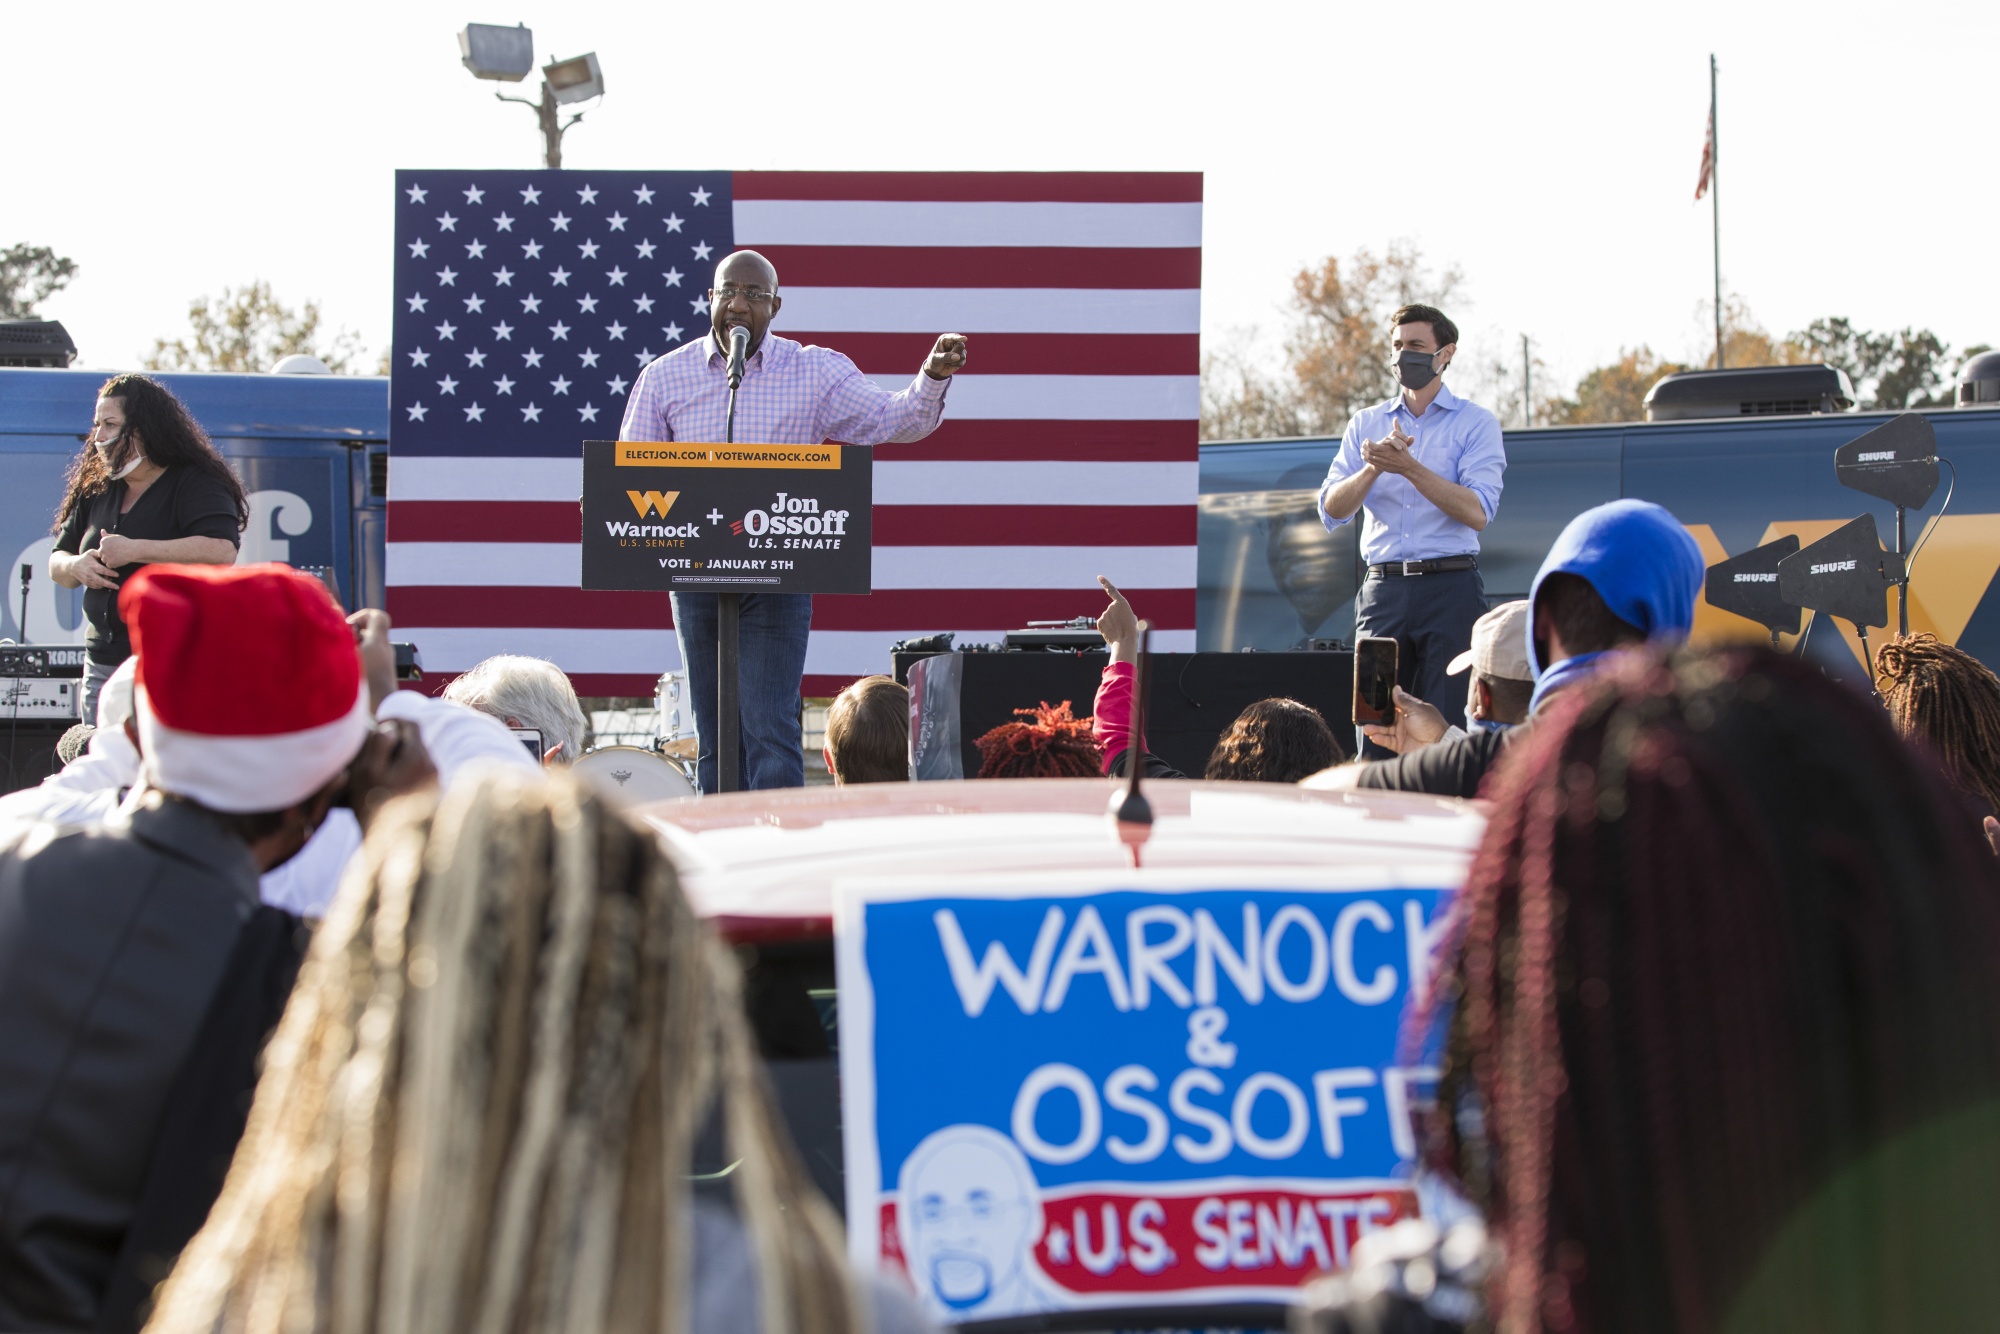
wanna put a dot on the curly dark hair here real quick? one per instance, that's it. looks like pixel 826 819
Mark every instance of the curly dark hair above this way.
pixel 168 433
pixel 1724 1028
pixel 1053 745
pixel 1944 698
pixel 1273 741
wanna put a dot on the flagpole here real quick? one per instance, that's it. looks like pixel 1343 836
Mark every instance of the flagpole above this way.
pixel 1715 200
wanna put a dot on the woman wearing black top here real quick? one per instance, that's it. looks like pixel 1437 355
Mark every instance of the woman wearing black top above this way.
pixel 148 488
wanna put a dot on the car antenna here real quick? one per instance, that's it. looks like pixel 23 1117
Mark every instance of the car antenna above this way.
pixel 1130 810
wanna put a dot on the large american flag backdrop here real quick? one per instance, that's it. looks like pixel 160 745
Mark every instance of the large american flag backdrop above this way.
pixel 527 301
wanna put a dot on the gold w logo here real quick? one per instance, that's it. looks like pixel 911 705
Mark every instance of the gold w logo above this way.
pixel 657 501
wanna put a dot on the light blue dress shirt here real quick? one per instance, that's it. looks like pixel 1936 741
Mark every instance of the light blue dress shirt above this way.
pixel 1457 440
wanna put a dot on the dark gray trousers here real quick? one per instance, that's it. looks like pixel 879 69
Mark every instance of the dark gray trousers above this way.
pixel 1430 617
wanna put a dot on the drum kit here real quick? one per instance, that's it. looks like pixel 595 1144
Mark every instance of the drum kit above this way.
pixel 635 775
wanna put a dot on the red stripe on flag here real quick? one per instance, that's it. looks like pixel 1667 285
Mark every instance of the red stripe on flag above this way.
pixel 634 685
pixel 1023 354
pixel 895 525
pixel 984 266
pixel 1067 441
pixel 1074 187
pixel 909 610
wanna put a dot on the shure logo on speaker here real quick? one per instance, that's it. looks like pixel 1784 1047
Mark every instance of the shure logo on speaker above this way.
pixel 1879 456
pixel 1756 578
pixel 1833 567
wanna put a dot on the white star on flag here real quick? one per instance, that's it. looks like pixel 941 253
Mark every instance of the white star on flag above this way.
pixel 419 357
pixel 530 304
pixel 560 277
pixel 418 249
pixel 616 330
pixel 446 330
pixel 503 331
pixel 617 222
pixel 533 250
pixel 673 333
pixel 416 193
pixel 560 385
pixel 446 276
pixel 588 358
pixel 474 304
pixel 473 194
pixel 588 412
pixel 447 385
pixel 700 304
pixel 475 250
pixel 587 195
pixel 417 303
pixel 531 195
pixel 645 305
pixel 644 354
pixel 702 251
pixel 559 222
pixel 617 276
pixel 474 413
pixel 504 223
pixel 531 413
pixel 531 358
pixel 673 277
pixel 700 197
pixel 587 304
pixel 447 222
pixel 503 276
pixel 618 382
pixel 674 221
pixel 589 249
pixel 644 194
pixel 559 330
pixel 503 385
pixel 417 411
pixel 475 358
pixel 646 249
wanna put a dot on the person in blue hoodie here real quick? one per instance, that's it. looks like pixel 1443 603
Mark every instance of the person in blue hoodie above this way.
pixel 1620 576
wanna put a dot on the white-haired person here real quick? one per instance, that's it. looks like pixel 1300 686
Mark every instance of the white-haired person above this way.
pixel 529 693
pixel 481 1107
pixel 254 720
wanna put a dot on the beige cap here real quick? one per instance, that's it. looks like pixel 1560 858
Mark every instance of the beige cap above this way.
pixel 1499 644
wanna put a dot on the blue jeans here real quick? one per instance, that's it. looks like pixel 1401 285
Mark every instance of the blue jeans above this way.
pixel 772 634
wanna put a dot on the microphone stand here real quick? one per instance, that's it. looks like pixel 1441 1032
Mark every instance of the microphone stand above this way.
pixel 728 657
pixel 1131 813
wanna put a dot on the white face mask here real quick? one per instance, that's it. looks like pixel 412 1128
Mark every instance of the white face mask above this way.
pixel 105 449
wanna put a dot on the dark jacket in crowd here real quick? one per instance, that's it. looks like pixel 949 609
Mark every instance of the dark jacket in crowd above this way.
pixel 113 942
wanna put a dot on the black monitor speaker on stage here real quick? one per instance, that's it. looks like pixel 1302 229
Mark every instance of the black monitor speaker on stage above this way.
pixel 1748 585
pixel 1845 574
pixel 1896 462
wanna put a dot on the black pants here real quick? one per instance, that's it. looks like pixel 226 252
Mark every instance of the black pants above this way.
pixel 1430 617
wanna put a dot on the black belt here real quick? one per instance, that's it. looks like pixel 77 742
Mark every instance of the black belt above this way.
pixel 1442 565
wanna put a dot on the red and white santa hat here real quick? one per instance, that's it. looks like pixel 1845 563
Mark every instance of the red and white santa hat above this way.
pixel 250 694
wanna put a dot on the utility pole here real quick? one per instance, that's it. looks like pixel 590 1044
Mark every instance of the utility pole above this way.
pixel 1527 385
pixel 552 125
pixel 1715 200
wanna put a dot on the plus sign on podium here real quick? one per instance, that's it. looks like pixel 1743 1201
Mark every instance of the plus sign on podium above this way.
pixel 727 518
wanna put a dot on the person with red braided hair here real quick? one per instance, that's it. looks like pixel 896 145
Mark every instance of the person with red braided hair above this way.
pixel 1051 744
pixel 1723 1050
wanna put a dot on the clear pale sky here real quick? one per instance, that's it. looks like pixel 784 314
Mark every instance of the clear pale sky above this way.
pixel 1549 150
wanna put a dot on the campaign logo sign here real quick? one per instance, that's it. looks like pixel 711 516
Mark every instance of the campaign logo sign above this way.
pixel 759 518
pixel 1142 1090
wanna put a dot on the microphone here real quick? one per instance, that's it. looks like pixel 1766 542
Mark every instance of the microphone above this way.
pixel 739 352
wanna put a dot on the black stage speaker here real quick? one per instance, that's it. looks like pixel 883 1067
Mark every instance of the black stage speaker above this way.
pixel 958 697
pixel 28 750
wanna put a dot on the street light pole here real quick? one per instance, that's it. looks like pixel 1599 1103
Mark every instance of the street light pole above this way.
pixel 552 125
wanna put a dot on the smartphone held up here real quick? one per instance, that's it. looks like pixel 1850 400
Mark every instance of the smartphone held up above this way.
pixel 1375 681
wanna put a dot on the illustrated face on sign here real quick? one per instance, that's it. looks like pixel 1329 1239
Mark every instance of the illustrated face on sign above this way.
pixel 970 1215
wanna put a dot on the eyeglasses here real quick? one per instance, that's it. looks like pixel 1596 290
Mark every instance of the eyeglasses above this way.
pixel 756 296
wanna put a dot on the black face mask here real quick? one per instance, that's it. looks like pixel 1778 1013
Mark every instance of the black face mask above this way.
pixel 1414 369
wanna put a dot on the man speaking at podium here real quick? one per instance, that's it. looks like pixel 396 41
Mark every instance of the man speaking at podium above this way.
pixel 791 395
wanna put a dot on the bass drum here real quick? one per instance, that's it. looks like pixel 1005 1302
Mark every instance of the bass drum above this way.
pixel 631 776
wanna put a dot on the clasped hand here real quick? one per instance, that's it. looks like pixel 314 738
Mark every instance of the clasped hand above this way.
pixel 1391 454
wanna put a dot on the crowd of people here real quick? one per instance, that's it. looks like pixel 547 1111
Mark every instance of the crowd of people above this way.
pixel 328 1006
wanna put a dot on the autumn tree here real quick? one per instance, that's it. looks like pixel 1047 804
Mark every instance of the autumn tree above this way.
pixel 1337 348
pixel 30 275
pixel 1614 393
pixel 247 329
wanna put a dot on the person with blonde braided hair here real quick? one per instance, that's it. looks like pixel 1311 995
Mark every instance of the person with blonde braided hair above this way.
pixel 1948 701
pixel 479 1110
pixel 1723 1025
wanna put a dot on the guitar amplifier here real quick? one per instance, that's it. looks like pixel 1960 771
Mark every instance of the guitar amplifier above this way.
pixel 33 660
pixel 1192 699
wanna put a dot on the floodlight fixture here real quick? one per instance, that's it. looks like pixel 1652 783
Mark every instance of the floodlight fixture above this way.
pixel 577 79
pixel 493 52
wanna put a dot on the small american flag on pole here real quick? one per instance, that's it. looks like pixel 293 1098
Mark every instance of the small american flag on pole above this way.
pixel 526 302
pixel 1707 156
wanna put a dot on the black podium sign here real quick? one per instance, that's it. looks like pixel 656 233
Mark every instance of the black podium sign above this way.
pixel 727 518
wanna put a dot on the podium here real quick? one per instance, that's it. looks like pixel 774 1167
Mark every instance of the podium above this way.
pixel 683 516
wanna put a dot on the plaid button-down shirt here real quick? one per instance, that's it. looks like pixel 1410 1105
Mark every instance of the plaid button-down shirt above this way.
pixel 791 395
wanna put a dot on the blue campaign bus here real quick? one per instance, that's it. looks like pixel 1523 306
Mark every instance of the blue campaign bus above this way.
pixel 312 450
pixel 1272 577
